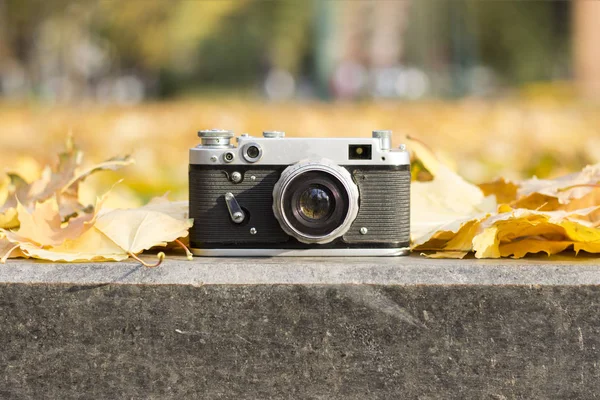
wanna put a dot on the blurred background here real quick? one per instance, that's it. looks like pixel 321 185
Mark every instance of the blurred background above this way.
pixel 499 88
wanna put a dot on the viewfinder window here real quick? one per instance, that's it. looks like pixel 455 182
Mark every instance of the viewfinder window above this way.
pixel 359 152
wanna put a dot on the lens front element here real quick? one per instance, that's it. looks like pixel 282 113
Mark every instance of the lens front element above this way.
pixel 315 201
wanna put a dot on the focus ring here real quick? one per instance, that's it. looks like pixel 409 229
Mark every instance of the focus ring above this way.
pixel 328 167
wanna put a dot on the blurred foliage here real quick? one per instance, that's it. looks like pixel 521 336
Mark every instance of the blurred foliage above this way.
pixel 177 43
pixel 524 41
pixel 180 45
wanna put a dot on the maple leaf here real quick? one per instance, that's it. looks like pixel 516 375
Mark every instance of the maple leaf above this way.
pixel 43 229
pixel 44 226
pixel 105 235
pixel 136 230
pixel 63 183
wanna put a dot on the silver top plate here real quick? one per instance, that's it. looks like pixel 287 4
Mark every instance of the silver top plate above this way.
pixel 286 151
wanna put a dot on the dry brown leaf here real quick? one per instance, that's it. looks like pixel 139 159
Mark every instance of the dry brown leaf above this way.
pixel 537 201
pixel 43 227
pixel 63 182
pixel 504 190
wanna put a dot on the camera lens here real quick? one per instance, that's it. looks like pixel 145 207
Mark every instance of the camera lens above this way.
pixel 316 202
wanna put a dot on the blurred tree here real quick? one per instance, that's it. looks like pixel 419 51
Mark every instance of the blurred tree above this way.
pixel 152 34
pixel 521 40
pixel 22 36
pixel 290 37
pixel 195 43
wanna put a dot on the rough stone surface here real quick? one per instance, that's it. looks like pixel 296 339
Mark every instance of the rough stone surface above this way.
pixel 386 328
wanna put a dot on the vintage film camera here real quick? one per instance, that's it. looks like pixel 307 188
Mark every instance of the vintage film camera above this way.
pixel 277 196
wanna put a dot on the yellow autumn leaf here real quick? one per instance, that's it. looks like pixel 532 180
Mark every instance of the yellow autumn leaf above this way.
pixel 569 192
pixel 450 238
pixel 40 226
pixel 8 249
pixel 504 190
pixel 175 209
pixel 136 230
pixel 44 227
pixel 61 182
pixel 578 232
pixel 520 248
pixel 564 188
pixel 447 254
pixel 486 244
pixel 17 188
pixel 444 204
pixel 522 231
pixel 111 164
pixel 9 218
pixel 26 167
pixel 588 247
pixel 92 245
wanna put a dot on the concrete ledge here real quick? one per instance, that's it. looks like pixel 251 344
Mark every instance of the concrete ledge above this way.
pixel 363 328
pixel 411 270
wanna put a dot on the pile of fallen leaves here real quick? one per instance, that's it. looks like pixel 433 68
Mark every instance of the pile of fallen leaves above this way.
pixel 451 217
pixel 44 218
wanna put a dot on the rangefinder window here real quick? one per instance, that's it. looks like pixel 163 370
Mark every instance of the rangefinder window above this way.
pixel 359 152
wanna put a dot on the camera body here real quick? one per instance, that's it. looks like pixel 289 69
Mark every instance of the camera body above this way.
pixel 277 196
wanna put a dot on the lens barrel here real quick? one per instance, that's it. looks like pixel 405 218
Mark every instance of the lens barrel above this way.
pixel 315 201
